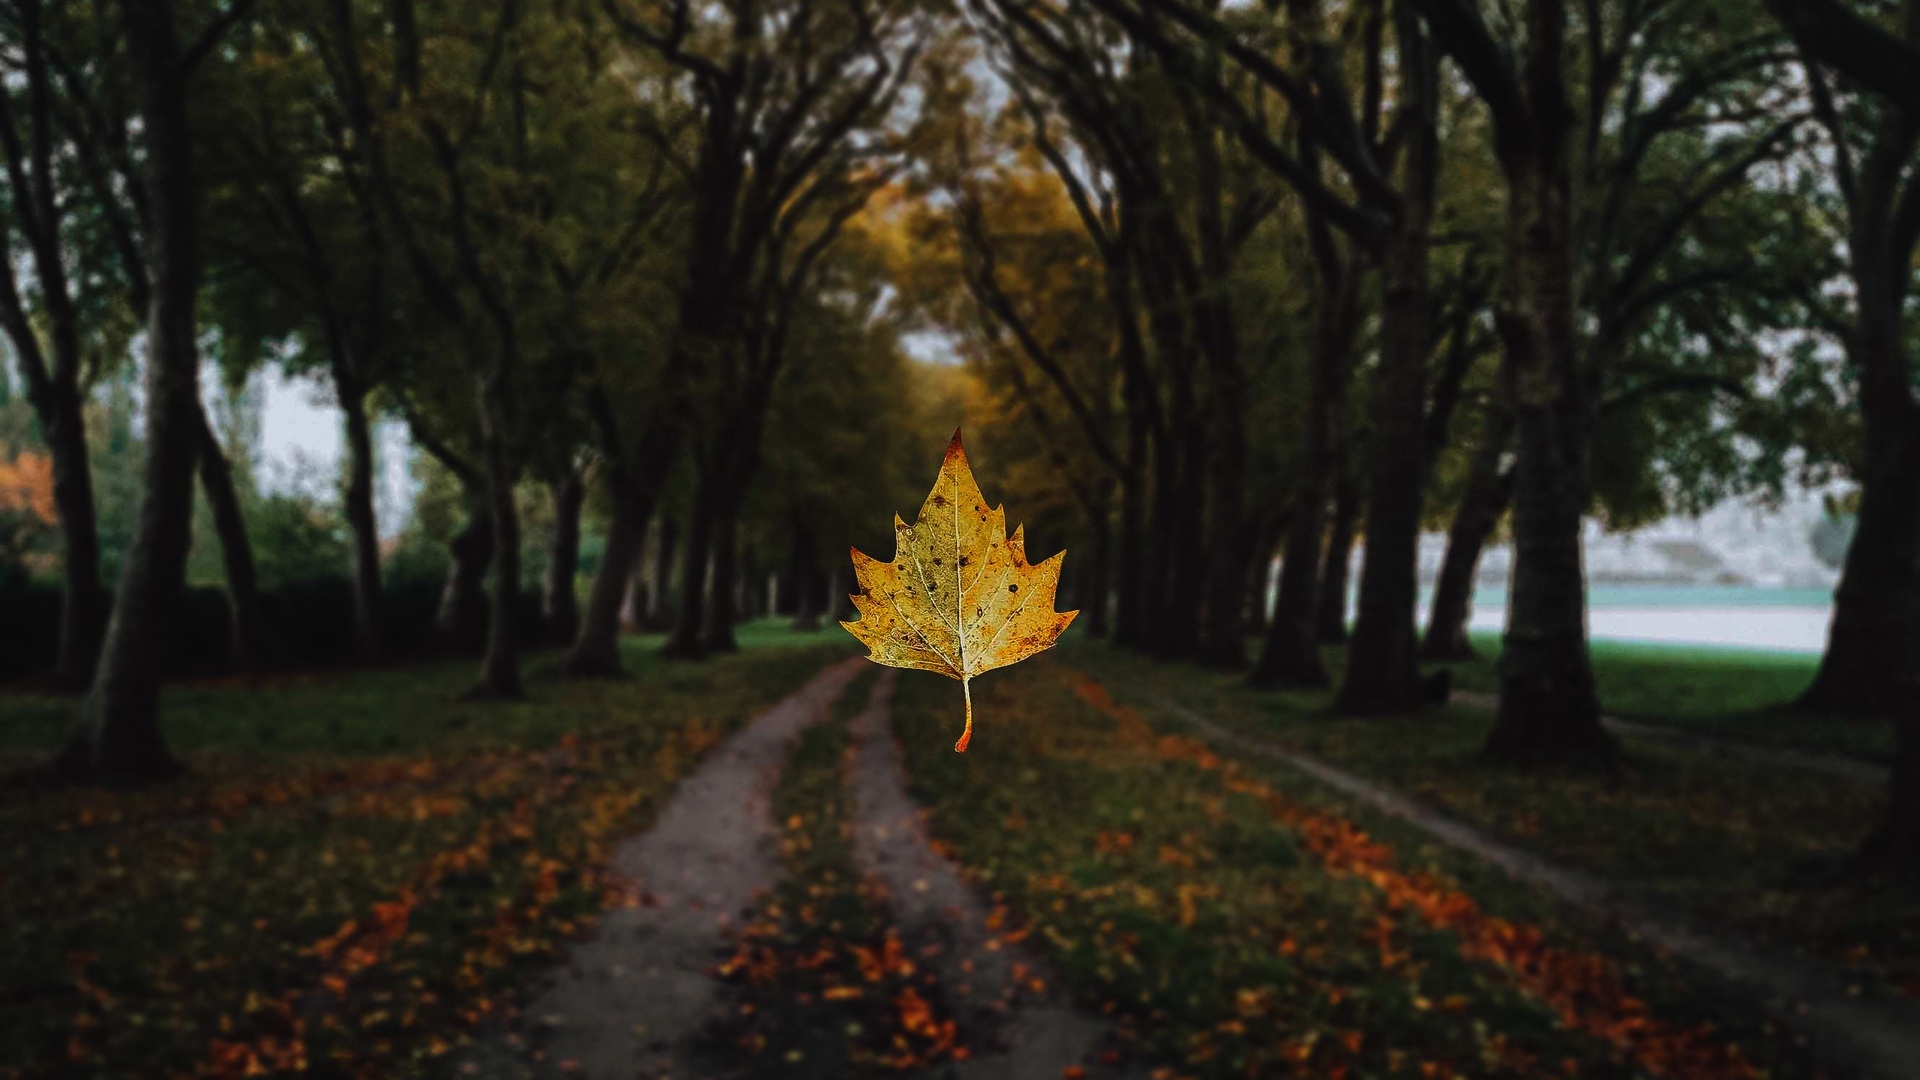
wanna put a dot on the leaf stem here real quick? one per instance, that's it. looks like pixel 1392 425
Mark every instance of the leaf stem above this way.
pixel 966 687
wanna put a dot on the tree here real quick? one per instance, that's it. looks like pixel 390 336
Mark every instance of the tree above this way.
pixel 790 143
pixel 1636 100
pixel 38 214
pixel 1872 662
pixel 120 740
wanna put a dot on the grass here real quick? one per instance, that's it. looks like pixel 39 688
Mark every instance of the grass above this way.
pixel 1744 694
pixel 360 869
pixel 1744 847
pixel 1234 922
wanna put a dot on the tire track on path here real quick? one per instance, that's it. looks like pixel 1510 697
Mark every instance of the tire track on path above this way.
pixel 1039 1035
pixel 627 1001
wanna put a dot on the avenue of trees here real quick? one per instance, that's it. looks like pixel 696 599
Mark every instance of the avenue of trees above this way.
pixel 644 282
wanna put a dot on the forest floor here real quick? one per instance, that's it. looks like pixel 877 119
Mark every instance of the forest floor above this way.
pixel 366 876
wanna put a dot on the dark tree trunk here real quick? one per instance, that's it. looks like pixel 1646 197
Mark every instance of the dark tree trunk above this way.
pixel 637 599
pixel 461 619
pixel 559 608
pixel 1259 571
pixel 1223 633
pixel 500 667
pixel 1893 849
pixel 1867 646
pixel 1178 511
pixel 690 616
pixel 1549 708
pixel 1382 674
pixel 363 529
pixel 1289 654
pixel 803 579
pixel 248 645
pixel 724 604
pixel 633 488
pixel 596 651
pixel 84 602
pixel 1330 601
pixel 38 213
pixel 1131 610
pixel 1481 506
pixel 1098 586
pixel 660 595
pixel 120 740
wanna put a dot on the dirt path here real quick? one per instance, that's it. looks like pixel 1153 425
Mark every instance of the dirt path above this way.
pixel 1877 1035
pixel 1850 769
pixel 1038 1035
pixel 627 999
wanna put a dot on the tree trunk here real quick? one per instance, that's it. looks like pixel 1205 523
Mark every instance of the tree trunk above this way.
pixel 1893 850
pixel 636 598
pixel 1481 507
pixel 1382 674
pixel 1289 654
pixel 1098 587
pixel 723 586
pixel 1130 603
pixel 1336 567
pixel 1178 556
pixel 687 641
pixel 803 582
pixel 1867 646
pixel 119 740
pixel 461 619
pixel 596 651
pixel 500 668
pixel 248 646
pixel 1549 709
pixel 660 595
pixel 84 601
pixel 1259 573
pixel 369 631
pixel 559 608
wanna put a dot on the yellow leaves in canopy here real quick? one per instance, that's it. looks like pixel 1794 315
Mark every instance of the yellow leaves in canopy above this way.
pixel 959 597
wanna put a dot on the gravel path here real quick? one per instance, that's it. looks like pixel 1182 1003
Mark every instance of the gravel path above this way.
pixel 1877 1035
pixel 626 1001
pixel 1038 1035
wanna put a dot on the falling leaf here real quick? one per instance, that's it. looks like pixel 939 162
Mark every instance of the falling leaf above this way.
pixel 959 597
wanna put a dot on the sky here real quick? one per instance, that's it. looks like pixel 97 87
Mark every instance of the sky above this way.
pixel 300 440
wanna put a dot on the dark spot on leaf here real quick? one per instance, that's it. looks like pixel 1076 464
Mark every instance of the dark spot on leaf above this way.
pixel 939 500
pixel 1013 588
pixel 936 560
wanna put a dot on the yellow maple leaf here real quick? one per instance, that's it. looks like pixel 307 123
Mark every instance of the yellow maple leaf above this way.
pixel 959 597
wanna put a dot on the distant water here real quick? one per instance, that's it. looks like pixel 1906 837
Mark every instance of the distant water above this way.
pixel 1786 620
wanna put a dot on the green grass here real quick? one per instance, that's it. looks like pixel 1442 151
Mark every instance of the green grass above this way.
pixel 1213 910
pixel 359 870
pixel 1742 846
pixel 1744 694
